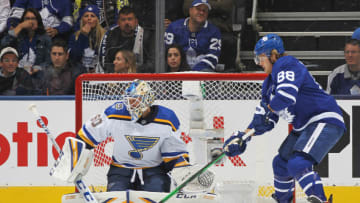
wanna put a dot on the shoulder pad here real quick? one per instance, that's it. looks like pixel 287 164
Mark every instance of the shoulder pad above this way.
pixel 118 110
pixel 168 117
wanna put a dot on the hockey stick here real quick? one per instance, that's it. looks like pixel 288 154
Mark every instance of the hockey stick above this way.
pixel 80 185
pixel 246 138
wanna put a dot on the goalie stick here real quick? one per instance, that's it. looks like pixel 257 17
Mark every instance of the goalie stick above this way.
pixel 245 138
pixel 80 185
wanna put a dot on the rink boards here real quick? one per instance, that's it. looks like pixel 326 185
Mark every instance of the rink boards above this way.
pixel 25 156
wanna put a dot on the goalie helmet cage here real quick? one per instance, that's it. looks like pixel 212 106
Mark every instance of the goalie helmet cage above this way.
pixel 222 94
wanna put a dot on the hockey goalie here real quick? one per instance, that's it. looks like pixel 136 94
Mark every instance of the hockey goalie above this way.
pixel 147 150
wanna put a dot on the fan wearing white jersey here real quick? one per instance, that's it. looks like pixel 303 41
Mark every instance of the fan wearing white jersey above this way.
pixel 147 143
pixel 290 92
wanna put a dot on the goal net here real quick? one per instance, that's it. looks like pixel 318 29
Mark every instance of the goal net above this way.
pixel 225 103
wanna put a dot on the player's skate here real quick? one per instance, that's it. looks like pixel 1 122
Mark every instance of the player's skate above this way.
pixel 278 201
pixel 314 199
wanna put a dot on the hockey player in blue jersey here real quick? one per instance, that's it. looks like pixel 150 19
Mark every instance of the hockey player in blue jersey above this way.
pixel 147 142
pixel 290 92
pixel 200 39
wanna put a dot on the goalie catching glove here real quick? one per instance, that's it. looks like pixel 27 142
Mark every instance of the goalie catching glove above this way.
pixel 74 160
pixel 203 183
pixel 235 145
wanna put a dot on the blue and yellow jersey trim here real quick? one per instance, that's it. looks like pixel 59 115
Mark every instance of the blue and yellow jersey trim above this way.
pixel 181 161
pixel 168 117
pixel 117 111
pixel 119 117
pixel 116 163
pixel 86 137
pixel 129 166
pixel 167 122
pixel 181 157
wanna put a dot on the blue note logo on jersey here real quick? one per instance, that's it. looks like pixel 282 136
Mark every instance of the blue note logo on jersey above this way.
pixel 140 144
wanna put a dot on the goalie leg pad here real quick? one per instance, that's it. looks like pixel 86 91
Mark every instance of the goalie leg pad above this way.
pixel 300 166
pixel 284 183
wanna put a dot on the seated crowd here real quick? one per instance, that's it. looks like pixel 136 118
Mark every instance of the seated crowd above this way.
pixel 45 45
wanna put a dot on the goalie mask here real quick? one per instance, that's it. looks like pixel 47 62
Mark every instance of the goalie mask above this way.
pixel 138 98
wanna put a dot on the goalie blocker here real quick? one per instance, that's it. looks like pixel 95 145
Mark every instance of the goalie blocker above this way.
pixel 74 160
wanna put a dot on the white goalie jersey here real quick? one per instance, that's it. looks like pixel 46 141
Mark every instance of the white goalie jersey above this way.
pixel 142 144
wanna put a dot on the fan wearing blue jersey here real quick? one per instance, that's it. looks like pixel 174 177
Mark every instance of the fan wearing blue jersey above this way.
pixel 288 92
pixel 147 142
pixel 56 15
pixel 345 79
pixel 200 39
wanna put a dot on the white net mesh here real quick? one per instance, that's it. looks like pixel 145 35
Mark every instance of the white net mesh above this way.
pixel 172 90
pixel 228 104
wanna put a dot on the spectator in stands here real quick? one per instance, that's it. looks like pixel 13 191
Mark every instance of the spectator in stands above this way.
pixel 4 14
pixel 145 11
pixel 125 62
pixel 56 15
pixel 59 78
pixel 13 80
pixel 345 79
pixel 30 39
pixel 200 39
pixel 356 34
pixel 109 11
pixel 84 43
pixel 127 35
pixel 220 15
pixel 176 59
pixel 224 15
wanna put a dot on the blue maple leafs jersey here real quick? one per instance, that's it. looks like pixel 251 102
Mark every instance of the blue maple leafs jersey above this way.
pixel 296 97
pixel 202 48
pixel 138 144
pixel 55 14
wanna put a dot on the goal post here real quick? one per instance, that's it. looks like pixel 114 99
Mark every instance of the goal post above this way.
pixel 227 104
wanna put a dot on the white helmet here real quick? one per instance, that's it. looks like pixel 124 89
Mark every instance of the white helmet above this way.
pixel 138 98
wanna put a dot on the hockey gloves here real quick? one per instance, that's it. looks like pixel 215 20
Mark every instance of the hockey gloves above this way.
pixel 235 145
pixel 264 119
